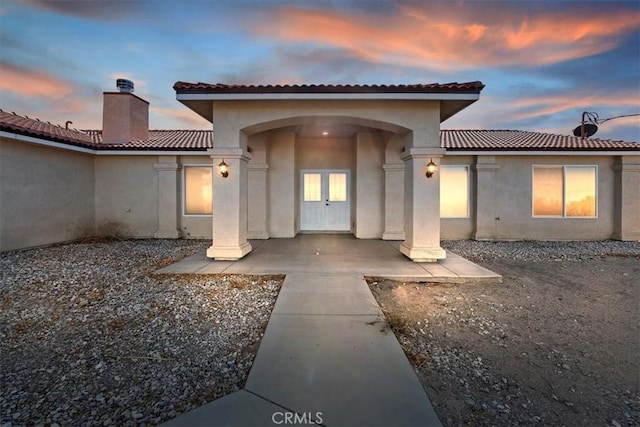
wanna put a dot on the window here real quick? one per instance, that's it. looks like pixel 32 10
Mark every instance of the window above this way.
pixel 337 187
pixel 454 191
pixel 197 190
pixel 312 187
pixel 564 191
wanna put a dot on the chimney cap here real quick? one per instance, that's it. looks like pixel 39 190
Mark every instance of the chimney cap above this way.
pixel 124 85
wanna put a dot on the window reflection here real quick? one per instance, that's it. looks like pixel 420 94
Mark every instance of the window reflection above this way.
pixel 568 191
pixel 198 192
pixel 454 191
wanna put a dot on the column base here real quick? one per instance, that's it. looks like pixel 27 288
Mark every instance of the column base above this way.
pixel 167 234
pixel 423 254
pixel 630 236
pixel 257 235
pixel 228 253
pixel 483 237
pixel 393 235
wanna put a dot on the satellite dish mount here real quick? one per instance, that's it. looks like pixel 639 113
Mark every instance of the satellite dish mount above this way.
pixel 585 130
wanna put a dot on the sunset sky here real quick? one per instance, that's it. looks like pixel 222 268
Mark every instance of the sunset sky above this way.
pixel 543 62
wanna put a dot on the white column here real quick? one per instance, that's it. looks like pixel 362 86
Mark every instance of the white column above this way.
pixel 485 227
pixel 369 186
pixel 167 168
pixel 230 205
pixel 257 211
pixel 422 206
pixel 393 201
pixel 627 198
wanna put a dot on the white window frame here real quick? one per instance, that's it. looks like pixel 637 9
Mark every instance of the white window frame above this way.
pixel 564 204
pixel 184 189
pixel 468 168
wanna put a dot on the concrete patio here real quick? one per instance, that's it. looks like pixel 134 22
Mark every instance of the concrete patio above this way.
pixel 327 356
pixel 341 253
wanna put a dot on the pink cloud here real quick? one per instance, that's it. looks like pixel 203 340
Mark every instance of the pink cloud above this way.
pixel 451 38
pixel 178 118
pixel 535 106
pixel 32 83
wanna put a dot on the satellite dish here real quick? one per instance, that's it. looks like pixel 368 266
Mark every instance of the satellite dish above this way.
pixel 589 129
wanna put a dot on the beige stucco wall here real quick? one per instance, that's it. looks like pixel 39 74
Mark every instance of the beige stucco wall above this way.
pixel 421 117
pixel 126 194
pixel 282 188
pixel 46 195
pixel 514 201
pixel 369 185
pixel 627 198
pixel 324 153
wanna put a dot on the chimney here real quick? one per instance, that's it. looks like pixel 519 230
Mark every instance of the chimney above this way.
pixel 125 117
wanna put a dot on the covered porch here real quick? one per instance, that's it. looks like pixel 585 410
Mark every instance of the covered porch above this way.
pixel 326 159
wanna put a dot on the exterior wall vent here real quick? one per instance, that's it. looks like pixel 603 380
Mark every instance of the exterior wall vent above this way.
pixel 124 85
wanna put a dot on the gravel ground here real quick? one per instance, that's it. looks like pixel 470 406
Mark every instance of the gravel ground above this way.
pixel 556 344
pixel 533 251
pixel 90 336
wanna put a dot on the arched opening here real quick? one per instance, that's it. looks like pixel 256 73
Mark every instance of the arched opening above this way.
pixel 318 174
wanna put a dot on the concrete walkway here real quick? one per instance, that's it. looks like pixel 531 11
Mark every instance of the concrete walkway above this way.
pixel 327 356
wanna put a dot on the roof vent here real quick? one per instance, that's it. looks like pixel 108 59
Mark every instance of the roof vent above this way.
pixel 124 85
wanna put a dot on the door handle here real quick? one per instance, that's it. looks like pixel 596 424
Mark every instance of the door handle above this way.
pixel 327 204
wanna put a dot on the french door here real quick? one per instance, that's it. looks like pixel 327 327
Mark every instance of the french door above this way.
pixel 325 200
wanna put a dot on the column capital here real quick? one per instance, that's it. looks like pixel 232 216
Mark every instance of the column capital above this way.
pixel 258 166
pixel 486 167
pixel 485 159
pixel 422 153
pixel 229 153
pixel 166 166
pixel 393 166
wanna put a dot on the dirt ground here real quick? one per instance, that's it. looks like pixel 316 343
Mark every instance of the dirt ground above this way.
pixel 556 344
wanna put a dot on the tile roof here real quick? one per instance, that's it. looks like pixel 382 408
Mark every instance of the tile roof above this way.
pixel 201 140
pixel 183 140
pixel 202 88
pixel 11 122
pixel 517 140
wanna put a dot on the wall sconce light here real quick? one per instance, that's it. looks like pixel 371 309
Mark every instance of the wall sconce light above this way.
pixel 223 168
pixel 431 168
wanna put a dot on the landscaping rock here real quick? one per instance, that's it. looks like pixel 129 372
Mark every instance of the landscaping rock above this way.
pixel 90 336
pixel 555 344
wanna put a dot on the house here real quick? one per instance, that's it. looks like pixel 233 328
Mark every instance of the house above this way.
pixel 309 159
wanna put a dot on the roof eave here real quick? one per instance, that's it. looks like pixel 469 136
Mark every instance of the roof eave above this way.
pixel 450 102
pixel 268 96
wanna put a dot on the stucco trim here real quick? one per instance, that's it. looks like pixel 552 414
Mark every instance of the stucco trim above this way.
pixel 423 153
pixel 393 167
pixel 229 153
